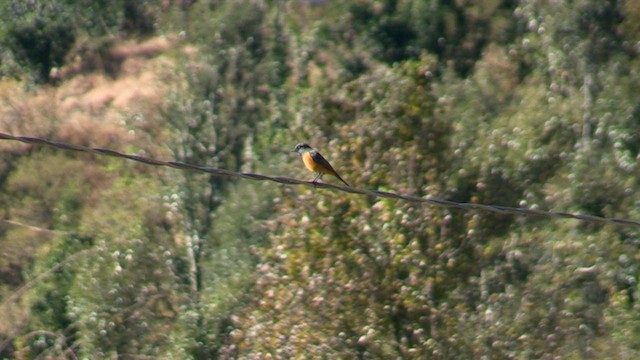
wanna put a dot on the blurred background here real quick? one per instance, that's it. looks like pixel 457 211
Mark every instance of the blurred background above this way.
pixel 517 103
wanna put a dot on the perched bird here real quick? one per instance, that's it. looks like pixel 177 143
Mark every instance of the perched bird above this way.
pixel 316 162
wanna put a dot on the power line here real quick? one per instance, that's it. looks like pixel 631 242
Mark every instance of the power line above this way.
pixel 496 209
pixel 33 228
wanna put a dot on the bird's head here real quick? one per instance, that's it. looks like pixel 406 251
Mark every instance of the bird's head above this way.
pixel 302 148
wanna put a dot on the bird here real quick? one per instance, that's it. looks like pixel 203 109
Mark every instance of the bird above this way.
pixel 315 162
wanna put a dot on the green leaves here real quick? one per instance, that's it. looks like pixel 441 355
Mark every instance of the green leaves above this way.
pixel 531 104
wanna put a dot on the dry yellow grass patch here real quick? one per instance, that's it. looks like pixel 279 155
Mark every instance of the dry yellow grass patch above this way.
pixel 93 108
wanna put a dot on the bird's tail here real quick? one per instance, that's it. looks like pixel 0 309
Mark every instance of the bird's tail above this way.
pixel 341 179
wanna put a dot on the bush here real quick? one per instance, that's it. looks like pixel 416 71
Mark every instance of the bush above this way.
pixel 39 37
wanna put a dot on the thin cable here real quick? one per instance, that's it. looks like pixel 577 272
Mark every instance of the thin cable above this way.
pixel 33 228
pixel 502 210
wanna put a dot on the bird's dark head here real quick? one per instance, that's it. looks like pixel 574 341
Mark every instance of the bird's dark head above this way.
pixel 301 148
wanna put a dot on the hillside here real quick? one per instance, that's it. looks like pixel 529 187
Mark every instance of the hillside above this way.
pixel 523 104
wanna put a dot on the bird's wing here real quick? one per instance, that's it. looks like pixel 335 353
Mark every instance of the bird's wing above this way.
pixel 321 160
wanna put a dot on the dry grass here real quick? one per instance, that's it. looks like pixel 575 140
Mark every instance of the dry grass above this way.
pixel 150 48
pixel 94 108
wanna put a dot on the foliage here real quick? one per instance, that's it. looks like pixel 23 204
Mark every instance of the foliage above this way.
pixel 51 315
pixel 122 301
pixel 530 104
pixel 212 119
pixel 39 35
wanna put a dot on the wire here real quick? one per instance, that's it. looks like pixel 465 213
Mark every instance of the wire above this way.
pixel 502 210
pixel 33 228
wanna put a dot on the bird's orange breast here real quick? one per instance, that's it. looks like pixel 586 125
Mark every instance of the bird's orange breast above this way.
pixel 313 165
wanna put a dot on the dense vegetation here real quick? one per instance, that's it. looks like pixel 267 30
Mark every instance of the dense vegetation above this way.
pixel 520 103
